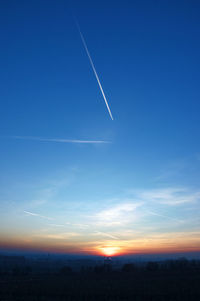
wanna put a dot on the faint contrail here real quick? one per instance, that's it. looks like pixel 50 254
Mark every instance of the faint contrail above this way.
pixel 38 215
pixel 106 234
pixel 168 217
pixel 61 140
pixel 57 225
pixel 93 67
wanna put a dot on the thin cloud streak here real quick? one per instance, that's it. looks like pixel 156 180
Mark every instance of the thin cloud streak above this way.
pixel 168 217
pixel 38 215
pixel 56 225
pixel 106 234
pixel 61 140
pixel 171 196
pixel 94 70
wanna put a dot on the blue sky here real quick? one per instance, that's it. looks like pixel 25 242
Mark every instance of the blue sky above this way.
pixel 142 187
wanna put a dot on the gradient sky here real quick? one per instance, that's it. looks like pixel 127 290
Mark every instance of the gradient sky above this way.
pixel 138 193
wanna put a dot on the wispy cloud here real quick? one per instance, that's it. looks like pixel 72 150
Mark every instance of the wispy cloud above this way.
pixel 81 226
pixel 38 215
pixel 117 216
pixel 59 236
pixel 78 141
pixel 57 225
pixel 106 234
pixel 171 196
pixel 164 216
pixel 116 211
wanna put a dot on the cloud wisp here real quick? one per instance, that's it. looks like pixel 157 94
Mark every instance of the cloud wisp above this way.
pixel 94 70
pixel 38 215
pixel 164 216
pixel 118 215
pixel 117 211
pixel 171 196
pixel 61 140
pixel 106 234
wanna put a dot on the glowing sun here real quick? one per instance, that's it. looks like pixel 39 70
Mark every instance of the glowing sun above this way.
pixel 109 251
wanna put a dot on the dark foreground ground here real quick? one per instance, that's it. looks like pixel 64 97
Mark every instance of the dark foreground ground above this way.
pixel 151 282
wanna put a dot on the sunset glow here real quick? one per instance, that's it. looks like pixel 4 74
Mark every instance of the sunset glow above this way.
pixel 110 251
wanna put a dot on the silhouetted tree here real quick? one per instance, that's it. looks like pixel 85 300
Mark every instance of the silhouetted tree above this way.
pixel 152 266
pixel 128 267
pixel 66 270
pixel 100 269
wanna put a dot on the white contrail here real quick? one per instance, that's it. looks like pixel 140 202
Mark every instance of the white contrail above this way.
pixel 38 215
pixel 61 140
pixel 93 67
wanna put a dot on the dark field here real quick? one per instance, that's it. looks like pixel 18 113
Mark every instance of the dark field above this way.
pixel 170 280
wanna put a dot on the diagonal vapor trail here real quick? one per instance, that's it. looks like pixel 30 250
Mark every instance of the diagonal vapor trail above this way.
pixel 93 67
pixel 106 234
pixel 38 215
pixel 168 217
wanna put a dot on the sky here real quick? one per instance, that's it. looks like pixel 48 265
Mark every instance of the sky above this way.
pixel 72 180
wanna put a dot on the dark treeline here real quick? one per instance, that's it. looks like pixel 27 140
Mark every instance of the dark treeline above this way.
pixel 165 280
